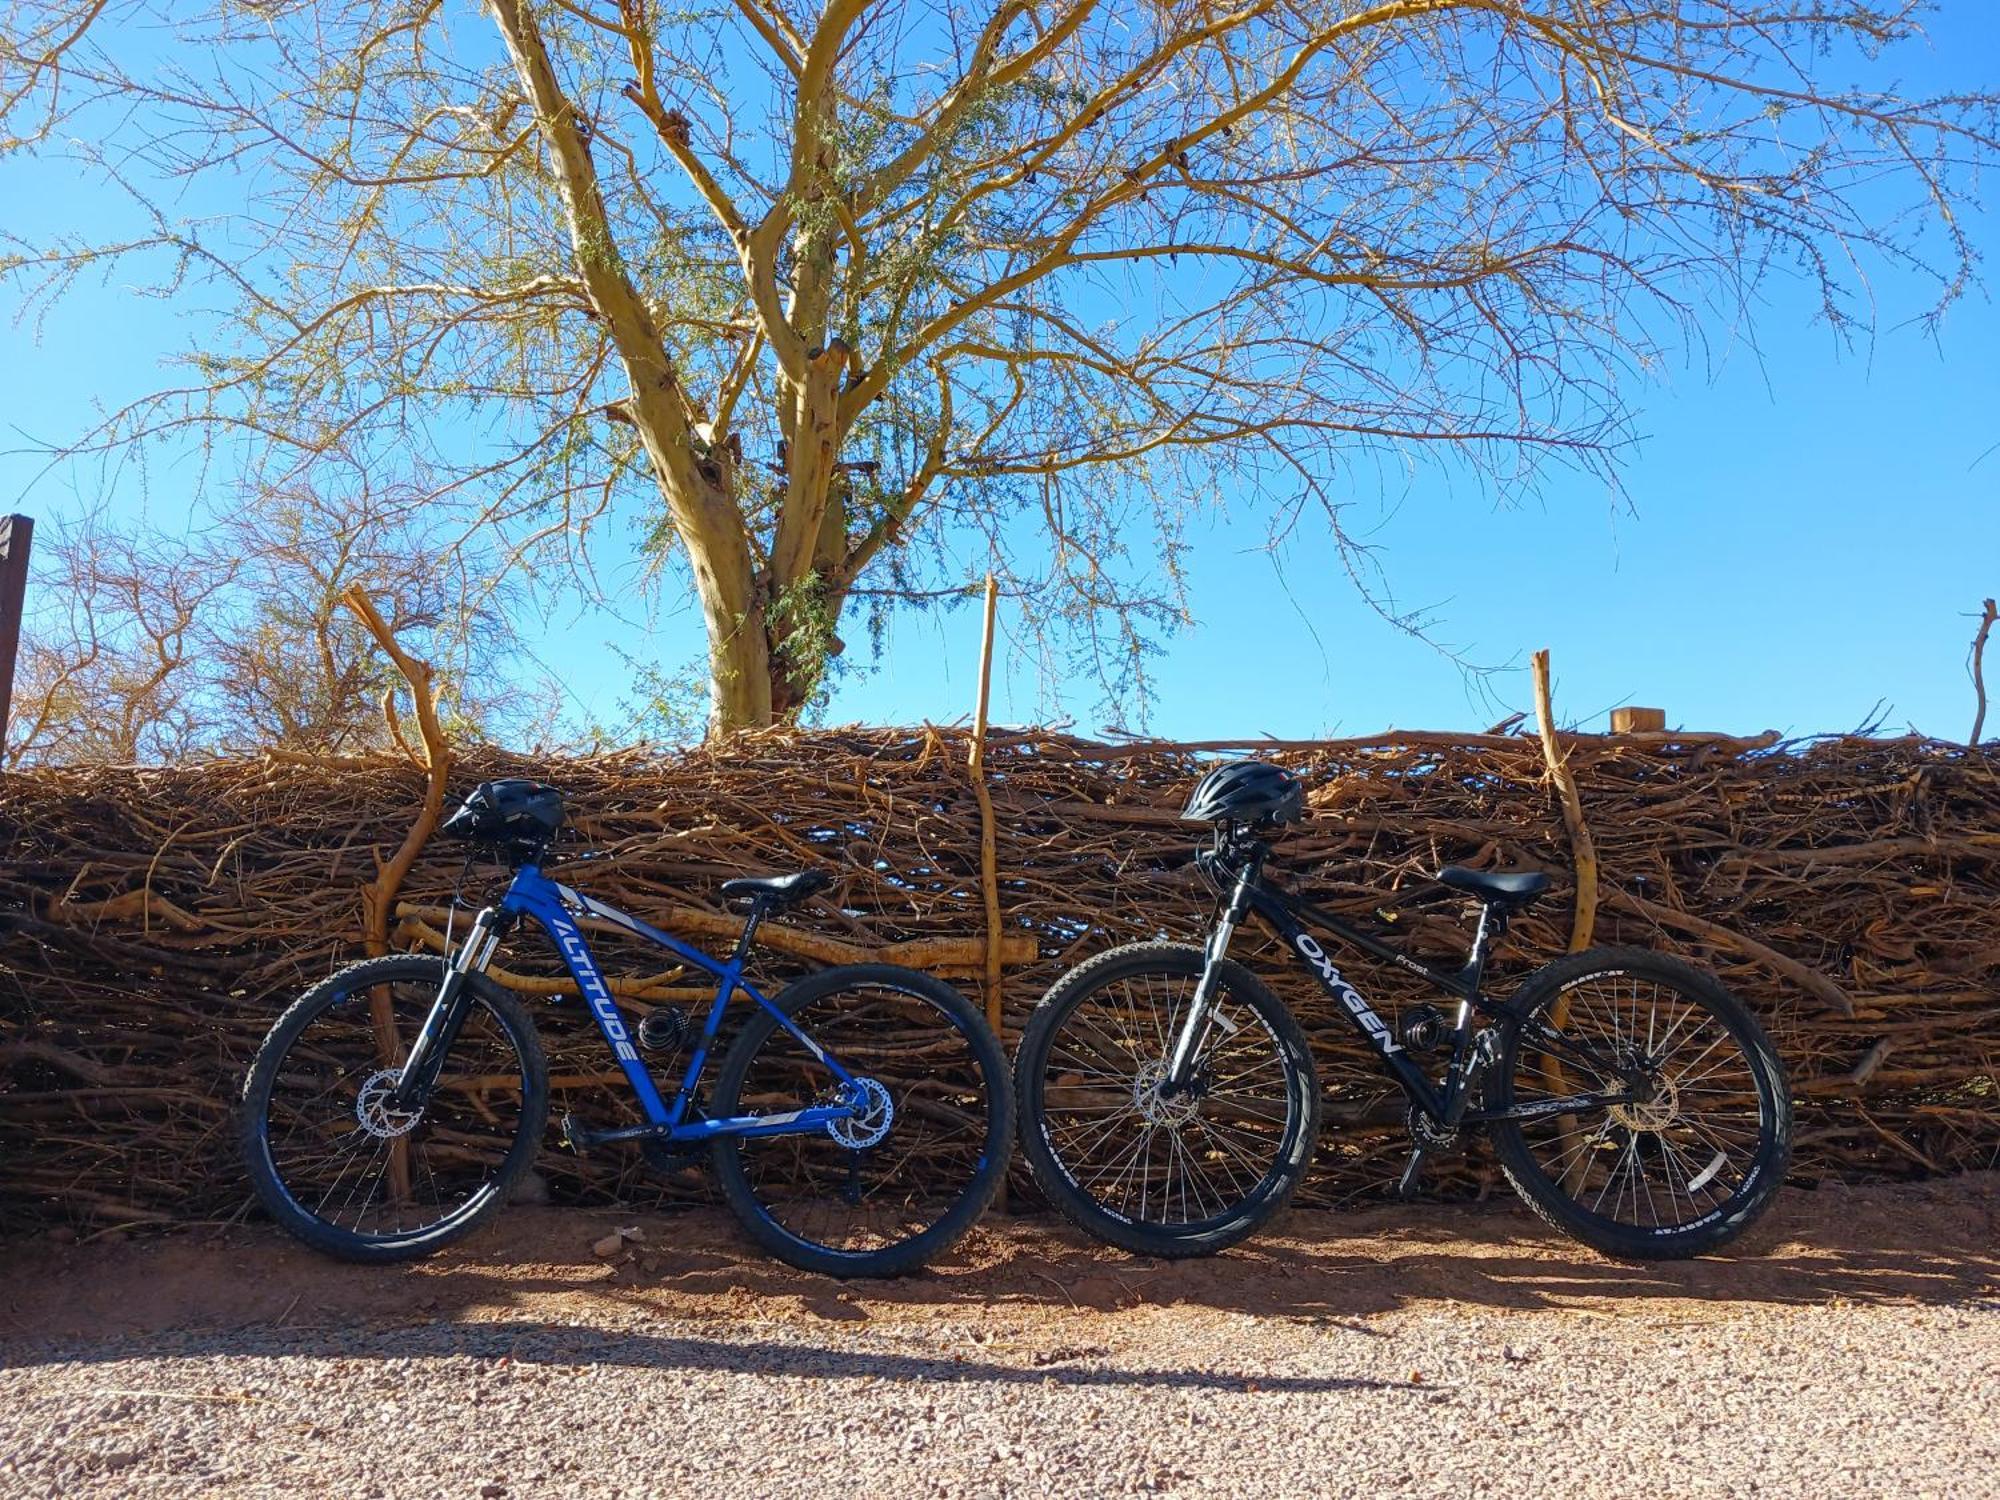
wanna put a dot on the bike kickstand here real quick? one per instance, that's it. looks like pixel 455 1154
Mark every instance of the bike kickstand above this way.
pixel 1406 1185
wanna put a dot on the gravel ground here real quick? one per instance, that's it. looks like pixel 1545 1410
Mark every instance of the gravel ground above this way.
pixel 1851 1348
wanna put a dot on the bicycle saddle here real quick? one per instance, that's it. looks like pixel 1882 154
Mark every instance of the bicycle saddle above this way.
pixel 777 890
pixel 1515 889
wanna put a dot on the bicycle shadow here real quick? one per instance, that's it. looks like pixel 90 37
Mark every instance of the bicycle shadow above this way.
pixel 535 1342
pixel 1920 1244
pixel 531 1282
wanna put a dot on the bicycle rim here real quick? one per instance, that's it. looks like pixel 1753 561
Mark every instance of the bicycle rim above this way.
pixel 866 1189
pixel 1186 1161
pixel 342 1155
pixel 1668 1163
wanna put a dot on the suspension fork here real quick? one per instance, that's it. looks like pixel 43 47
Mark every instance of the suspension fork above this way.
pixel 1201 1016
pixel 447 1013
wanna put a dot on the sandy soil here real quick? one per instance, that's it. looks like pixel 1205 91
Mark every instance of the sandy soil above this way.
pixel 1850 1345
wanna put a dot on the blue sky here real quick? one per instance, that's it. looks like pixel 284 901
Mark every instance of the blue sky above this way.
pixel 1804 533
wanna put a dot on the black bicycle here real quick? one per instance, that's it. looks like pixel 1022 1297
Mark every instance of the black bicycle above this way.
pixel 1169 1103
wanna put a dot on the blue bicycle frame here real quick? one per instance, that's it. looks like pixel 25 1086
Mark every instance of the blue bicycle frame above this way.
pixel 557 908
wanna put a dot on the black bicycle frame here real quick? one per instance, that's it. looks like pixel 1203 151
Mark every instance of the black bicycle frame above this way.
pixel 1473 1050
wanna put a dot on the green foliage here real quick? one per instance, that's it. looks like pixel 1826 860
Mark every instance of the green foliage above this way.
pixel 804 622
pixel 666 707
pixel 1148 262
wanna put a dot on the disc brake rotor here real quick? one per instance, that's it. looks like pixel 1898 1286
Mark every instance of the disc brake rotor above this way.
pixel 870 1122
pixel 374 1109
pixel 1158 1109
pixel 1657 1113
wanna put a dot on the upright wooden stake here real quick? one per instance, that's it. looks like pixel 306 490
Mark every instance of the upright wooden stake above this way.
pixel 16 535
pixel 989 860
pixel 1583 848
pixel 379 899
pixel 1986 618
pixel 1583 922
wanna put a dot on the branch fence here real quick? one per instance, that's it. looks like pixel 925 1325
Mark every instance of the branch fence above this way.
pixel 157 919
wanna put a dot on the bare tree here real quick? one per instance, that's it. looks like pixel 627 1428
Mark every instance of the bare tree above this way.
pixel 107 672
pixel 292 666
pixel 834 291
pixel 230 639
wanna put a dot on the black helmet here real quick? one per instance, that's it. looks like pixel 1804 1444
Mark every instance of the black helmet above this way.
pixel 520 814
pixel 1251 792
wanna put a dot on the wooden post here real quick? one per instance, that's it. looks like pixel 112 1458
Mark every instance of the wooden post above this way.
pixel 989 875
pixel 1583 921
pixel 1986 619
pixel 989 859
pixel 17 534
pixel 1638 720
pixel 379 899
pixel 1582 847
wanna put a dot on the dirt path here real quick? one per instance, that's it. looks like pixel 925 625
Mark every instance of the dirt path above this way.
pixel 1851 1347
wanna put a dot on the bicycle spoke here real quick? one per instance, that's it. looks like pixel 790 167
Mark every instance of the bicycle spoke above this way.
pixel 1160 1159
pixel 1668 1153
pixel 821 1192
pixel 342 1157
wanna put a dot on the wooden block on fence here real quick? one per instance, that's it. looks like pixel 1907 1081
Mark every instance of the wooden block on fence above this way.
pixel 1638 720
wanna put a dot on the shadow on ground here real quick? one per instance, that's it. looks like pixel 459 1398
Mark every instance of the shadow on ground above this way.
pixel 529 1287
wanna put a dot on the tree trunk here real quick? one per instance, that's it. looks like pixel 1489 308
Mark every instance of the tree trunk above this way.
pixel 739 677
pixel 697 480
pixel 740 669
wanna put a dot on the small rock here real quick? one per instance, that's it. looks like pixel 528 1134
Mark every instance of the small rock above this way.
pixel 492 1491
pixel 607 1247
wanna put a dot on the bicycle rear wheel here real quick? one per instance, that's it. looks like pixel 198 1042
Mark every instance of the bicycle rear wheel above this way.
pixel 1184 1175
pixel 896 1186
pixel 1684 1168
pixel 338 1166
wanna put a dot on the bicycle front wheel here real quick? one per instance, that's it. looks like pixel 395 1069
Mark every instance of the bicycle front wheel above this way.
pixel 896 1185
pixel 338 1165
pixel 1171 1174
pixel 1698 1152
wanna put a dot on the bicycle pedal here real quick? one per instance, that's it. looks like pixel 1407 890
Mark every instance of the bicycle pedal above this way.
pixel 576 1137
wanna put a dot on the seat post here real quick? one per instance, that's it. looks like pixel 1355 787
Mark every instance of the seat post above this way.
pixel 750 924
pixel 1492 927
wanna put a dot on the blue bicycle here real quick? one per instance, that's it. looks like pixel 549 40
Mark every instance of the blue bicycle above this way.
pixel 859 1124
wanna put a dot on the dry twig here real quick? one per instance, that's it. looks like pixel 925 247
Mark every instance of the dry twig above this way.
pixel 1854 868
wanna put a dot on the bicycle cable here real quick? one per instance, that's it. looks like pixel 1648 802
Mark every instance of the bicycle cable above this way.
pixel 457 900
